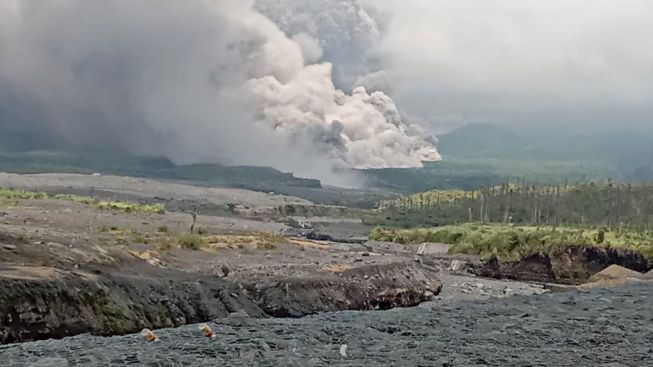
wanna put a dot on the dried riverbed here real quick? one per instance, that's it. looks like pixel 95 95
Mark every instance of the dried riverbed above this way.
pixel 606 327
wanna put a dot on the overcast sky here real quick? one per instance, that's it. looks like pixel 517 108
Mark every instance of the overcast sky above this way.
pixel 588 63
pixel 278 82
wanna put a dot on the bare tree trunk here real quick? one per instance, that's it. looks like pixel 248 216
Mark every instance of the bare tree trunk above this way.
pixel 194 215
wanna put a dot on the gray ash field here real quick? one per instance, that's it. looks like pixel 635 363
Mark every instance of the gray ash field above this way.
pixel 603 327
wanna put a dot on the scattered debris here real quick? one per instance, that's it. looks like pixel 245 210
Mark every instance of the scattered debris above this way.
pixel 207 331
pixel 343 351
pixel 457 265
pixel 149 335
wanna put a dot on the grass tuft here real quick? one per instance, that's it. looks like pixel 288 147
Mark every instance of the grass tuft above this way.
pixel 514 242
pixel 127 207
pixel 192 241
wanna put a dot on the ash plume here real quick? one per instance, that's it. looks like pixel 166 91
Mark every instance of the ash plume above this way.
pixel 197 81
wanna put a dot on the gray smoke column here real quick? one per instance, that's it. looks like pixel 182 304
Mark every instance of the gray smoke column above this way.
pixel 347 33
pixel 195 80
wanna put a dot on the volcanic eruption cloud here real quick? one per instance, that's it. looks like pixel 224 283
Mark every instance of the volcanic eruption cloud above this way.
pixel 276 83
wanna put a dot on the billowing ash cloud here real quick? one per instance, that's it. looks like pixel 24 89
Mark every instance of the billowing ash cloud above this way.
pixel 347 33
pixel 196 80
pixel 365 128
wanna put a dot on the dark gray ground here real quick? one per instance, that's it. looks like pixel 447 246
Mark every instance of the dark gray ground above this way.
pixel 609 327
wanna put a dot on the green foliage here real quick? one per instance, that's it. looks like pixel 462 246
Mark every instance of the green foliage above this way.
pixel 141 239
pixel 600 237
pixel 127 207
pixel 113 229
pixel 415 235
pixel 131 207
pixel 514 242
pixel 15 194
pixel 606 204
pixel 192 241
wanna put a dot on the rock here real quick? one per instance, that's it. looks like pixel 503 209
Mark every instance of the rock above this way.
pixel 573 265
pixel 648 275
pixel 613 275
pixel 343 351
pixel 615 272
pixel 292 223
pixel 609 283
pixel 239 314
pixel 319 236
pixel 531 268
pixel 119 302
pixel 433 249
pixel 577 263
pixel 368 287
pixel 225 271
pixel 435 287
pixel 457 265
pixel 10 247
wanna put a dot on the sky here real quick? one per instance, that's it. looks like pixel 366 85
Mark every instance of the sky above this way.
pixel 315 87
pixel 525 62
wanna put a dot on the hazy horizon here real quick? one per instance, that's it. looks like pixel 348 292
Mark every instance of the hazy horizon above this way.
pixel 316 87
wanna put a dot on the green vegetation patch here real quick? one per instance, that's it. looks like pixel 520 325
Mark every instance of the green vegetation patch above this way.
pixel 192 241
pixel 127 207
pixel 603 204
pixel 514 242
pixel 16 194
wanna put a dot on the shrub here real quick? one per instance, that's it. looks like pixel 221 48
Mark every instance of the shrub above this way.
pixel 141 239
pixel 192 241
pixel 512 242
pixel 112 205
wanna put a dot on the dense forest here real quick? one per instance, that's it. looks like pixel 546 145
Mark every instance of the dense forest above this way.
pixel 586 204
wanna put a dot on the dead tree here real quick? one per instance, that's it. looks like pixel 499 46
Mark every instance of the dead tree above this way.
pixel 194 215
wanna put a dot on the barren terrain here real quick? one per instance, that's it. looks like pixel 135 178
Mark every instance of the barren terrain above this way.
pixel 132 269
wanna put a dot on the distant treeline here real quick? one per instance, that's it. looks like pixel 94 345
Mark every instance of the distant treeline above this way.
pixel 593 204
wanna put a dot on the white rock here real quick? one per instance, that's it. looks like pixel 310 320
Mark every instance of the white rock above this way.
pixel 343 351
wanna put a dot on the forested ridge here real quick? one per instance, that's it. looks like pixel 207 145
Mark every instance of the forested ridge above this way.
pixel 606 204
